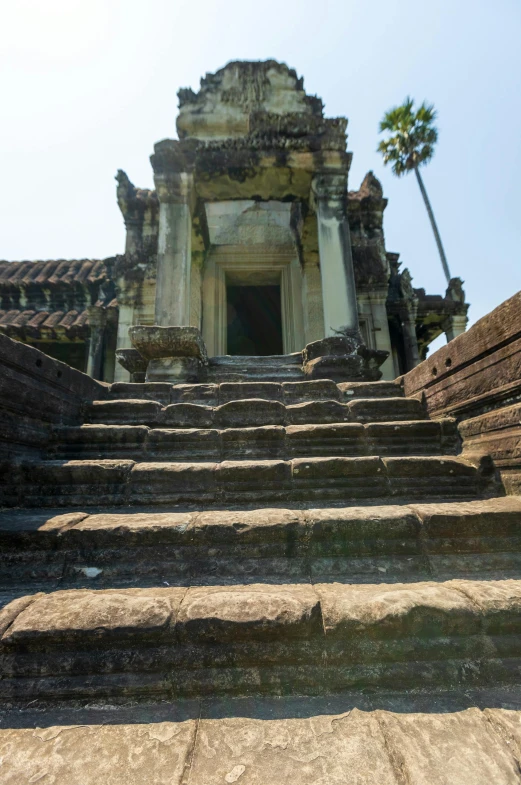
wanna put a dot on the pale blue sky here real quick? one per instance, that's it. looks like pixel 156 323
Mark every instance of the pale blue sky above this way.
pixel 88 86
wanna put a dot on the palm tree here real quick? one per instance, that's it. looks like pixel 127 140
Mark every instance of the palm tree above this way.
pixel 410 145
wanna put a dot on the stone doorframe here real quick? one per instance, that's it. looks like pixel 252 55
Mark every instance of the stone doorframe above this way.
pixel 253 266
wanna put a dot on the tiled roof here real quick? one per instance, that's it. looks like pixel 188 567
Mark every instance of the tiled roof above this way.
pixel 45 325
pixel 52 273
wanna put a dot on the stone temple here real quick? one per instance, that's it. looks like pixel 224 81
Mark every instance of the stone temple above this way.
pixel 248 559
pixel 251 236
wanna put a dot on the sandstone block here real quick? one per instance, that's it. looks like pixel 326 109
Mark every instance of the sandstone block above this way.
pixel 385 409
pixel 89 616
pixel 350 390
pixel 320 389
pixel 100 441
pixel 316 412
pixel 359 530
pixel 380 611
pixel 165 483
pixel 253 479
pixel 404 438
pixel 250 412
pixel 195 393
pixel 469 520
pixel 236 391
pixel 136 528
pixel 178 444
pixel 124 412
pixel 448 749
pixel 260 526
pixel 326 440
pixel 428 476
pixel 498 601
pixel 187 415
pixel 317 749
pixel 343 478
pixel 111 754
pixel 150 391
pixel 254 612
pixel 263 443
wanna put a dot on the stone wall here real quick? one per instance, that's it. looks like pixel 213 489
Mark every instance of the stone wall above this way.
pixel 37 392
pixel 477 378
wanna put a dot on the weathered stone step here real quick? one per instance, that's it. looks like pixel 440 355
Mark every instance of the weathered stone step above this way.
pixel 286 392
pixel 280 741
pixel 285 367
pixel 117 482
pixel 252 412
pixel 427 437
pixel 259 638
pixel 363 544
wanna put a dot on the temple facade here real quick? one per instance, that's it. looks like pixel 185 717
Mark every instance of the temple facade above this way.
pixel 251 236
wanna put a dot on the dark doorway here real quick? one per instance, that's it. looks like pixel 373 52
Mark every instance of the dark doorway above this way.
pixel 254 320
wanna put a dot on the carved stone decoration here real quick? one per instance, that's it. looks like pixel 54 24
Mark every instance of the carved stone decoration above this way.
pixel 133 362
pixel 171 353
pixel 154 342
pixel 253 192
pixel 246 98
pixel 455 290
pixel 343 358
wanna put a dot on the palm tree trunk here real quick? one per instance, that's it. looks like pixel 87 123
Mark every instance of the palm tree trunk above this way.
pixel 433 224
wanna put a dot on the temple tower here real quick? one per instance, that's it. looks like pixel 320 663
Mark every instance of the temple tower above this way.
pixel 252 239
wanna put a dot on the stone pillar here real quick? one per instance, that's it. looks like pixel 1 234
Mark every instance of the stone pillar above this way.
pixel 174 185
pixel 410 339
pixel 336 261
pixel 97 322
pixel 382 338
pixel 454 325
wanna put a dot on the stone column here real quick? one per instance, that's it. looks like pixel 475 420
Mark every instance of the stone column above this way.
pixel 336 261
pixel 410 339
pixel 97 322
pixel 174 185
pixel 454 325
pixel 382 338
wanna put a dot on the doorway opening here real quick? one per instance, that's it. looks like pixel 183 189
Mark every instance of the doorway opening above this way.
pixel 254 320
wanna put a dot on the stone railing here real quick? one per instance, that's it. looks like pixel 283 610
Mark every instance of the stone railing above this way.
pixel 477 378
pixel 37 392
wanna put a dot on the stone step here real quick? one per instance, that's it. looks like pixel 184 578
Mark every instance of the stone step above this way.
pixel 286 392
pixel 141 443
pixel 276 368
pixel 252 412
pixel 280 741
pixel 122 482
pixel 250 361
pixel 280 367
pixel 364 544
pixel 259 639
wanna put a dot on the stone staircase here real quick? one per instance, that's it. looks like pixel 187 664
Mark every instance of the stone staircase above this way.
pixel 255 539
pixel 198 539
